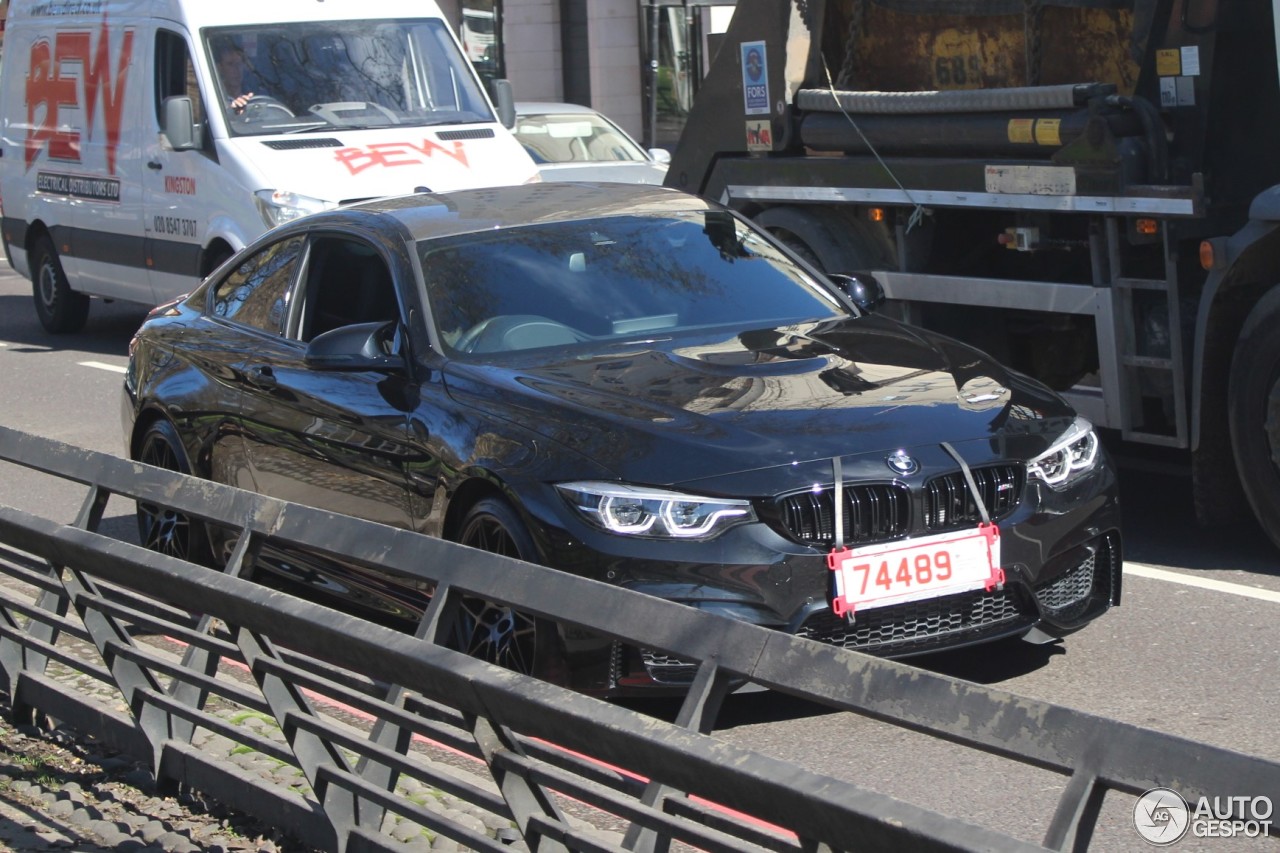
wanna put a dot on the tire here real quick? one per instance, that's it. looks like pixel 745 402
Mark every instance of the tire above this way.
pixel 496 633
pixel 214 260
pixel 824 237
pixel 1253 405
pixel 61 310
pixel 162 529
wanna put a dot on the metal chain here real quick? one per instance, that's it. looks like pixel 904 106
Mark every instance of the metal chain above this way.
pixel 1033 17
pixel 847 69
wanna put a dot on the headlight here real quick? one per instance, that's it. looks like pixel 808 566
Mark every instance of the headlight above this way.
pixel 654 513
pixel 280 206
pixel 1071 456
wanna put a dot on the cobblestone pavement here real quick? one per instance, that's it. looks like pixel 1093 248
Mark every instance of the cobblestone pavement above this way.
pixel 58 793
pixel 60 790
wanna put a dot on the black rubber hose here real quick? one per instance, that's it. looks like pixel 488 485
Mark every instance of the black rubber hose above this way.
pixel 1152 128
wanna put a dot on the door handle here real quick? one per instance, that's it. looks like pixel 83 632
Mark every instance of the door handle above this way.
pixel 155 164
pixel 261 376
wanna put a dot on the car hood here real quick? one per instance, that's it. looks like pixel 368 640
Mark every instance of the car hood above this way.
pixel 346 164
pixel 665 412
pixel 611 172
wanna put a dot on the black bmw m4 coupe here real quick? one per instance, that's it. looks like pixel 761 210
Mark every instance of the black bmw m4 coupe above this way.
pixel 638 386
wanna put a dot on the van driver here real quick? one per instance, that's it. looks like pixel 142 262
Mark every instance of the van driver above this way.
pixel 229 59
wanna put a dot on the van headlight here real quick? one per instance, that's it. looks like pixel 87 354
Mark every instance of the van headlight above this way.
pixel 1072 456
pixel 654 513
pixel 280 206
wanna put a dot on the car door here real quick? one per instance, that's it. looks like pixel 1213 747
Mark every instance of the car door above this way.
pixel 182 188
pixel 334 439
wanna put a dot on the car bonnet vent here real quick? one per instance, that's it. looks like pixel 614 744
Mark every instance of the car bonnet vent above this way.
pixel 478 133
pixel 298 144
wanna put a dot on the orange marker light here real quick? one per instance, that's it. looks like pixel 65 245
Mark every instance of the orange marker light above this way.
pixel 1206 254
pixel 1148 226
pixel 876 214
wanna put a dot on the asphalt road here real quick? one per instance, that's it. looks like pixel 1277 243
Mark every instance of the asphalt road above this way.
pixel 1194 650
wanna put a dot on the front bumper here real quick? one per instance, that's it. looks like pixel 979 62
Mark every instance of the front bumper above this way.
pixel 1061 553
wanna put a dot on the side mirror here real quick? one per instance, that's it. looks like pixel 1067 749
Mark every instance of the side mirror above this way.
pixel 504 98
pixel 660 155
pixel 362 346
pixel 179 124
pixel 861 288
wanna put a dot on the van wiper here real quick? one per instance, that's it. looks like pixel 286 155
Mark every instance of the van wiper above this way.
pixel 313 128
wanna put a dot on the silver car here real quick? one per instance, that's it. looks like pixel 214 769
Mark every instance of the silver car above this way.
pixel 570 142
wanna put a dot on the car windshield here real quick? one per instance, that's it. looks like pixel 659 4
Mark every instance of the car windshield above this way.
pixel 574 138
pixel 612 279
pixel 328 75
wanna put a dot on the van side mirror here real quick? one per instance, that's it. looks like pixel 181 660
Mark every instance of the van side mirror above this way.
pixel 179 125
pixel 861 288
pixel 504 98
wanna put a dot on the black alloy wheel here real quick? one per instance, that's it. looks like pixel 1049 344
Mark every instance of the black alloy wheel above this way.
pixel 61 310
pixel 160 528
pixel 493 632
pixel 1253 403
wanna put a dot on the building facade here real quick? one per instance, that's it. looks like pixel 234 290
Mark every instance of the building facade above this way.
pixel 637 61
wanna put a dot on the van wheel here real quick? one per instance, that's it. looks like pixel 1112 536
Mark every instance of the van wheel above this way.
pixel 495 632
pixel 60 309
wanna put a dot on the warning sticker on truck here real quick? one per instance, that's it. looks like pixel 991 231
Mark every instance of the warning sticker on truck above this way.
pixel 1021 130
pixel 759 135
pixel 1031 180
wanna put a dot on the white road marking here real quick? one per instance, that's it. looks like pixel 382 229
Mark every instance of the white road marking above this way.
pixel 1144 571
pixel 114 368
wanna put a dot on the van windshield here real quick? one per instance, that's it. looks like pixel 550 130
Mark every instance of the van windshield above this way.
pixel 318 76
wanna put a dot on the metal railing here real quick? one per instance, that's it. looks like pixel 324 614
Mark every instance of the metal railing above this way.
pixel 378 727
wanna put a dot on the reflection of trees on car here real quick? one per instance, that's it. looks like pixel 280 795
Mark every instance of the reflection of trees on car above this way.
pixel 602 283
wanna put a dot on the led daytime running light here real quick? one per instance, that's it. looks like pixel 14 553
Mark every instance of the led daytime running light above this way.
pixel 1070 457
pixel 654 513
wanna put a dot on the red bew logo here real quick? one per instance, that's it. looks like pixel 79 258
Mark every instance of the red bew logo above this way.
pixel 52 84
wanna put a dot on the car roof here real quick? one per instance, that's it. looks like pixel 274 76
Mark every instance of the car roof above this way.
pixel 429 215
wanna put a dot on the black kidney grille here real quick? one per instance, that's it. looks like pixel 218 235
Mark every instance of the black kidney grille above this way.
pixel 872 513
pixel 948 503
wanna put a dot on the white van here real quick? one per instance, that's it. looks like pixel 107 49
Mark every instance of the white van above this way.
pixel 144 141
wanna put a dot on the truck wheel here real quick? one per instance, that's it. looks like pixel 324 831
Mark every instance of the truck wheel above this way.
pixel 1253 403
pixel 830 241
pixel 60 309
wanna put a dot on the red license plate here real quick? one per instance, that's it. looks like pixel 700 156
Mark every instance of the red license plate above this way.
pixel 915 569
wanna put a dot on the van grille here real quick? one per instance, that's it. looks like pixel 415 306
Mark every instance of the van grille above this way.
pixel 477 133
pixel 299 144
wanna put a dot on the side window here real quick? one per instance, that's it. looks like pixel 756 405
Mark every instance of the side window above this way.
pixel 347 282
pixel 176 74
pixel 257 292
